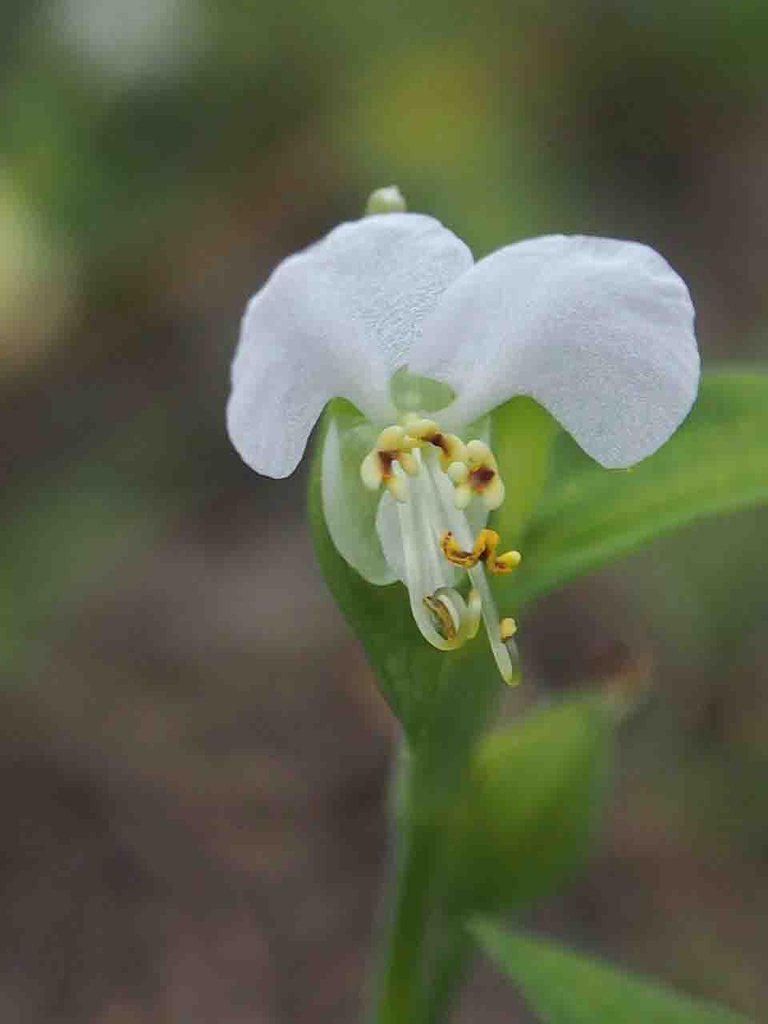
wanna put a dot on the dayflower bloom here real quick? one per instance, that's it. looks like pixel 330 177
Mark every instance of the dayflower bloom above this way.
pixel 391 313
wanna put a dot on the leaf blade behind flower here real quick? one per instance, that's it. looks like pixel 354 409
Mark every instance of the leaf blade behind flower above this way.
pixel 588 516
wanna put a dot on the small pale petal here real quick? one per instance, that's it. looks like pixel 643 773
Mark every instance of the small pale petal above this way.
pixel 336 320
pixel 349 509
pixel 599 331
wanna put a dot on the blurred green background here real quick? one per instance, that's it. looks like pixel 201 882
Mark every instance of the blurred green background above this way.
pixel 194 754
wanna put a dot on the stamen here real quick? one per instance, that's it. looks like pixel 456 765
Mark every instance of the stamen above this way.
pixel 456 555
pixel 458 474
pixel 475 609
pixel 370 471
pixel 409 463
pixel 507 629
pixel 392 446
pixel 504 652
pixel 391 439
pixel 427 576
pixel 452 448
pixel 483 550
pixel 483 475
pixel 505 563
pixel 433 475
pixel 443 615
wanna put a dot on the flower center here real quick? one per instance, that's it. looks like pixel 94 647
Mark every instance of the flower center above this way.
pixel 434 477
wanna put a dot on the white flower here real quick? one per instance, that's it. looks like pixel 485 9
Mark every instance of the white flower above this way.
pixel 391 313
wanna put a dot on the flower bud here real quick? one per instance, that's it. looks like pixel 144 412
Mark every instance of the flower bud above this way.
pixel 386 200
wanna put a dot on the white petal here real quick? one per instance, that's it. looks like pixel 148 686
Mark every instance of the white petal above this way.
pixel 350 509
pixel 599 331
pixel 335 321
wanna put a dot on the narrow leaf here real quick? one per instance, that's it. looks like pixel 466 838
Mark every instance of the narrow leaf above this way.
pixel 565 988
pixel 716 463
pixel 523 436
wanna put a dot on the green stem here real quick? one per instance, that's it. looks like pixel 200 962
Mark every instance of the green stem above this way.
pixel 402 993
pixel 425 955
pixel 451 963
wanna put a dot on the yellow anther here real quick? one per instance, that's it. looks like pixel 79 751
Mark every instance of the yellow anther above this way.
pixel 483 474
pixel 392 446
pixel 443 616
pixel 462 495
pixel 506 562
pixel 457 555
pixel 502 564
pixel 371 471
pixel 392 439
pixel 452 448
pixel 424 431
pixel 483 550
pixel 458 473
pixel 480 454
pixel 421 429
pixel 409 462
pixel 493 493
pixel 507 629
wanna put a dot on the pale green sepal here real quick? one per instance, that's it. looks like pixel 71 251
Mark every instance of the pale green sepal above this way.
pixel 567 988
pixel 349 508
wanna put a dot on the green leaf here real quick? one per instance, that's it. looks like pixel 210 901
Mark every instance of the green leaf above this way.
pixel 533 798
pixel 522 439
pixel 565 988
pixel 587 515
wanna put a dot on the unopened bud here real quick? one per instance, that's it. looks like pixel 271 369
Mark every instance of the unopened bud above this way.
pixel 386 200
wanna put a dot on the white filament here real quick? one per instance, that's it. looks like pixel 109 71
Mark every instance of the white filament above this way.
pixel 424 517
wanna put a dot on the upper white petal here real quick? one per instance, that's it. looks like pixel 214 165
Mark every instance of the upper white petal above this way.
pixel 335 320
pixel 599 331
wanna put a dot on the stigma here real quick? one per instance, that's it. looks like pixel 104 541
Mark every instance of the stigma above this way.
pixel 434 477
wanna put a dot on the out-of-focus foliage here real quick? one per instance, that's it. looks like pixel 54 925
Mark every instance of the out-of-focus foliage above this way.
pixel 535 795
